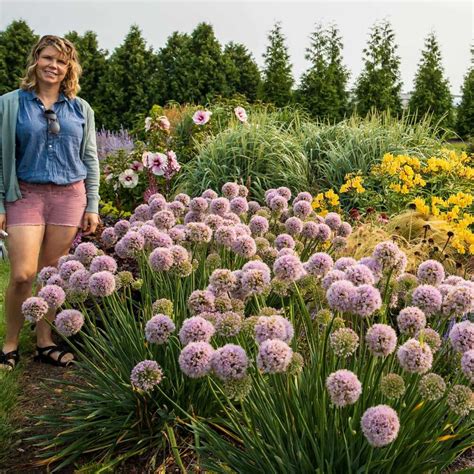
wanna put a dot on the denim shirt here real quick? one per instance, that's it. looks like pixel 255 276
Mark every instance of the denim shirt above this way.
pixel 45 157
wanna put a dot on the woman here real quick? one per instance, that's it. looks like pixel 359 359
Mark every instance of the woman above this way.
pixel 49 181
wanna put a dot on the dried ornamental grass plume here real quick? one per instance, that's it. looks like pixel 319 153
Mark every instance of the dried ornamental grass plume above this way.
pixel 380 425
pixel 228 324
pixel 392 386
pixel 258 225
pixel 460 400
pixel 244 246
pixel 431 387
pixel 164 220
pixel 387 253
pixel 69 322
pixel 431 337
pixel 319 264
pixel 344 263
pixel 431 272
pixel 302 209
pixel 274 356
pixel 68 268
pixel 195 359
pixel 293 225
pixel 198 232
pixel 273 327
pixel 163 306
pixel 415 357
pixel 344 387
pixel 339 243
pixel 196 329
pixel 199 205
pixel 344 342
pixel 103 263
pixel 288 268
pixel 333 220
pixel 467 365
pixel 46 273
pixel 462 336
pixel 381 340
pixel 121 228
pixel 230 362
pixel 411 320
pixel 360 275
pixel 331 277
pixel 54 295
pixel 34 309
pixel 201 301
pixel 230 190
pixel 340 295
pixel 345 230
pixel 458 301
pixel 108 237
pixel 159 328
pixel 428 298
pixel 146 375
pixel 239 205
pixel 161 259
pixel 220 206
pixel 102 284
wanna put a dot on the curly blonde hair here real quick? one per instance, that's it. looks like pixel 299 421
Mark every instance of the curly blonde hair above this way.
pixel 70 84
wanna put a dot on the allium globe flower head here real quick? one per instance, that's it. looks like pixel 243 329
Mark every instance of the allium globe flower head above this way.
pixel 159 328
pixel 345 230
pixel 322 232
pixel 302 209
pixel 415 357
pixel 453 280
pixel 177 234
pixel 231 219
pixel 392 386
pixel 258 225
pixel 255 280
pixel 431 387
pixel 366 301
pixel 284 241
pixel 103 262
pixel 34 308
pixel 85 252
pixel 274 356
pixel 278 204
pixel 344 342
pixel 225 235
pixel 199 205
pixel 195 359
pixel 242 229
pixel 69 322
pixel 193 217
pixel 428 298
pixel 244 246
pixel 146 375
pixel 201 301
pixel 339 243
pixel 293 225
pixel 157 204
pixel 46 273
pixel 153 237
pixel 467 365
pixel 228 324
pixel 303 196
pixel 243 191
pixel 344 387
pixel 360 274
pixel 164 220
pixel 220 206
pixel 54 295
pixel 254 206
pixel 462 336
pixel 222 280
pixel 161 259
pixel 381 340
pixel 163 306
pixel 458 301
pixel 310 230
pixel 319 264
pixel 130 245
pixel 331 277
pixel 230 362
pixel 380 425
pixel 387 253
pixel 333 220
pixel 213 221
pixel 411 320
pixel 431 272
pixel 176 207
pixel 102 284
pixel 196 329
pixel 198 232
pixel 68 268
pixel 273 327
pixel 230 190
pixel 460 400
pixel 374 266
pixel 288 268
pixel 57 280
pixel 180 254
pixel 239 205
pixel 108 237
pixel 344 263
pixel 340 295
pixel 430 337
pixel 121 228
pixel 143 212
pixel 183 198
pixel 284 192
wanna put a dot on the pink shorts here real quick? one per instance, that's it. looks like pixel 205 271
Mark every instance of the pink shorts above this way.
pixel 43 204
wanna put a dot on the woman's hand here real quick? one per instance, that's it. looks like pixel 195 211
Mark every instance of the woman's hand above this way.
pixel 89 223
pixel 3 221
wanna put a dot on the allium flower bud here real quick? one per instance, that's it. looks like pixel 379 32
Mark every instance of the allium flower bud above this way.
pixel 431 387
pixel 392 386
pixel 460 400
pixel 344 342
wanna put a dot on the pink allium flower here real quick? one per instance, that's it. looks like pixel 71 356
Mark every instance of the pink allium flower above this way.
pixel 274 356
pixel 230 362
pixel 310 230
pixel 278 204
pixel 68 268
pixel 431 272
pixel 462 336
pixel 255 277
pixel 201 301
pixel 244 246
pixel 345 230
pixel 333 220
pixel 157 204
pixel 220 206
pixel 431 337
pixel 387 253
pixel 161 259
pixel 344 263
pixel 232 219
pixel 288 268
pixel 85 252
pixel 34 309
pixel 201 117
pixel 213 221
pixel 258 225
pixel 239 205
pixel 143 212
pixel 46 273
pixel 69 322
pixel 381 340
pixel 230 190
pixel 222 280
pixel 303 196
pixel 155 162
pixel 54 295
pixel 374 265
pixel 294 225
pixel 254 206
pixel 209 194
pixel 177 233
pixel 79 281
pixel 458 301
pixel 331 277
pixel 366 300
pixel 198 204
pixel 411 320
pixel 344 387
pixel 340 295
pixel 302 209
pixel 453 280
pixel 380 425
pixel 64 259
pixel 154 238
pixel 196 329
pixel 158 329
pixel 241 114
pixel 130 245
pixel 284 192
pixel 179 253
pixel 57 280
pixel 284 241
pixel 103 262
pixel 460 400
pixel 164 220
pixel 322 232
pixel 225 235
pixel 415 357
pixel 146 375
pixel 121 228
pixel 183 198
pixel 176 207
pixel 228 324
pixel 319 264
pixel 102 284
pixel 467 365
pixel 339 243
pixel 273 327
pixel 108 237
pixel 428 298
pixel 198 232
pixel 360 275
pixel 193 217
pixel 243 191
pixel 195 359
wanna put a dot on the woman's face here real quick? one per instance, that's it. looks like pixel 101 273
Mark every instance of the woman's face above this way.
pixel 51 67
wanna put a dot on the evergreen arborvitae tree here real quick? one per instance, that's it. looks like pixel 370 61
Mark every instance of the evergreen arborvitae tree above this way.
pixel 242 73
pixel 378 87
pixel 431 94
pixel 131 84
pixel 465 115
pixel 16 42
pixel 93 61
pixel 323 87
pixel 278 79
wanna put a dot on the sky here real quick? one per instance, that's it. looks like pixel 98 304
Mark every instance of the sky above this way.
pixel 249 22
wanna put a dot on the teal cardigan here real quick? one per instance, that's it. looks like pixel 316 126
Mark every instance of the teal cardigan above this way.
pixel 9 188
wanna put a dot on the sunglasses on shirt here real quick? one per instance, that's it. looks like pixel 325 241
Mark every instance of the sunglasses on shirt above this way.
pixel 53 124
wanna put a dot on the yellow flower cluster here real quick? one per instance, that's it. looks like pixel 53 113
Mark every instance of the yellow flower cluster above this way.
pixel 450 162
pixel 406 169
pixel 322 202
pixel 352 183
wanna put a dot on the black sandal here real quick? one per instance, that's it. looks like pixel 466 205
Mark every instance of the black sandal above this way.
pixel 9 360
pixel 44 354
